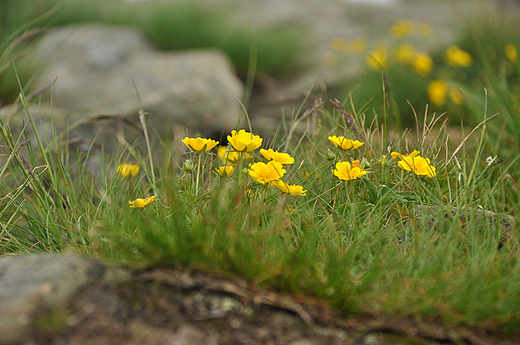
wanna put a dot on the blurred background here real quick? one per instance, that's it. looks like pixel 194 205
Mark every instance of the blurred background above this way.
pixel 438 56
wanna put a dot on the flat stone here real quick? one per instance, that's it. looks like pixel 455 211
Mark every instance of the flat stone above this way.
pixel 28 283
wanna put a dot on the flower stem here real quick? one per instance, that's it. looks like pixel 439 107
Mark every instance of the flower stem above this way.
pixel 198 174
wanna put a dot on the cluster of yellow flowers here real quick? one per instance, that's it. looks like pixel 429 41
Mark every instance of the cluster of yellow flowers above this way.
pixel 350 171
pixel 241 144
pixel 271 173
pixel 403 52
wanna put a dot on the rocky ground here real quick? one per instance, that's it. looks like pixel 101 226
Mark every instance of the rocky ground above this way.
pixel 177 305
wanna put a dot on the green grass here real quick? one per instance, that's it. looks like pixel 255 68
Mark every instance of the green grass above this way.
pixel 356 244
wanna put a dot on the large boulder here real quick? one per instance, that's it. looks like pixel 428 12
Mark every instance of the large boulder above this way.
pixel 93 69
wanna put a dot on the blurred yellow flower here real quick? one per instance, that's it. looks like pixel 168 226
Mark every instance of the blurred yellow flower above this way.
pixel 404 53
pixel 263 173
pixel 456 57
pixel 345 144
pixel 425 30
pixel 377 59
pixel 329 58
pixel 347 172
pixel 414 162
pixel 422 64
pixel 437 91
pixel 226 171
pixel 140 203
pixel 456 96
pixel 357 46
pixel 199 144
pixel 338 44
pixel 231 157
pixel 127 170
pixel 511 53
pixel 289 189
pixel 401 28
pixel 243 141
pixel 271 155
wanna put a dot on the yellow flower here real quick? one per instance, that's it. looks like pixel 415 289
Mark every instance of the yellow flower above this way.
pixel 271 155
pixel 127 170
pixel 243 141
pixel 401 28
pixel 140 203
pixel 200 144
pixel 347 172
pixel 405 53
pixel 263 173
pixel 437 91
pixel 456 57
pixel 456 96
pixel 357 46
pixel 231 157
pixel 338 44
pixel 377 59
pixel 425 30
pixel 414 162
pixel 329 58
pixel 289 189
pixel 345 144
pixel 511 52
pixel 422 64
pixel 226 170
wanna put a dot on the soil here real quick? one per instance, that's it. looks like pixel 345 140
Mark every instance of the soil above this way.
pixel 189 306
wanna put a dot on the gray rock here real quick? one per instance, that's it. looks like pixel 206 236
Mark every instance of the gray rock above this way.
pixel 91 68
pixel 435 216
pixel 29 283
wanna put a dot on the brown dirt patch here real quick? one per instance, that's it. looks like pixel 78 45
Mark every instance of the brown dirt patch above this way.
pixel 180 306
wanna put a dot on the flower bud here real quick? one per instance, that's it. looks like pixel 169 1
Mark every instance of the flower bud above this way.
pixel 188 165
pixel 331 155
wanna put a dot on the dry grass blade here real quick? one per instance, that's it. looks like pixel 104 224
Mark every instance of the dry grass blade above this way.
pixel 347 116
pixel 467 137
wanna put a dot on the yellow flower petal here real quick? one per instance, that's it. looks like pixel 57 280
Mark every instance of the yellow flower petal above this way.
pixel 414 162
pixel 345 144
pixel 127 170
pixel 437 91
pixel 456 57
pixel 377 59
pixel 283 158
pixel 401 28
pixel 511 53
pixel 344 171
pixel 243 141
pixel 422 64
pixel 263 173
pixel 226 171
pixel 404 53
pixel 200 144
pixel 140 203
pixel 289 189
